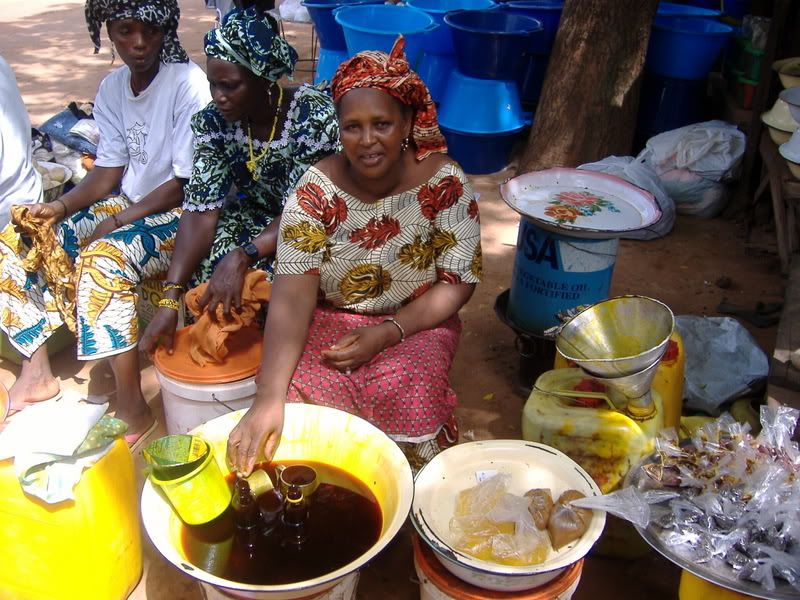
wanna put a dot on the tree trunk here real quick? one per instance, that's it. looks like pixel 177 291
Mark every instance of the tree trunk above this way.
pixel 587 110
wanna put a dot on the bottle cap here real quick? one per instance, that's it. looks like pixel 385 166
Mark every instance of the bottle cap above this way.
pixel 259 482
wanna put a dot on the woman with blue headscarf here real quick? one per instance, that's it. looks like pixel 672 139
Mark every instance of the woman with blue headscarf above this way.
pixel 256 135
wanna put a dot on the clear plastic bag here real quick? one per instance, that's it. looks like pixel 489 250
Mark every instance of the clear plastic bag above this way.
pixel 736 497
pixel 493 525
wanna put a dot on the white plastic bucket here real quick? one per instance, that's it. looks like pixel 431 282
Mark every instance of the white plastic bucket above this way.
pixel 187 405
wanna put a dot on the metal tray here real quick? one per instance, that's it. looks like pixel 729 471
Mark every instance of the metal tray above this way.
pixel 717 571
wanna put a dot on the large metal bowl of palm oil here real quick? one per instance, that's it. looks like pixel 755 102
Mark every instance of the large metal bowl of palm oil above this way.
pixel 350 456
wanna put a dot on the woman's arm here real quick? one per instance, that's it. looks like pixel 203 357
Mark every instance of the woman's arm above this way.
pixel 165 197
pixel 291 308
pixel 432 308
pixel 192 242
pixel 225 285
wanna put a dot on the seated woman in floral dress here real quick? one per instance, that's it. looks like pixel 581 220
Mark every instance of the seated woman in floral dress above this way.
pixel 387 233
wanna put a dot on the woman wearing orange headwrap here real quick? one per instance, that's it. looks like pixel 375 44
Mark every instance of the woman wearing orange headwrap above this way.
pixel 387 233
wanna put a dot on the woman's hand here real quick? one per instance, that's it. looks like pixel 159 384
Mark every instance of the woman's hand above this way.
pixel 103 228
pixel 258 431
pixel 50 212
pixel 225 285
pixel 161 330
pixel 360 346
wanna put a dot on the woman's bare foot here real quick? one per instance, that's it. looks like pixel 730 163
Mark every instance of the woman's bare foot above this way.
pixel 35 382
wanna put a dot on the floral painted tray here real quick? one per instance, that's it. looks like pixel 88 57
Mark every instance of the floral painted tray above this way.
pixel 581 203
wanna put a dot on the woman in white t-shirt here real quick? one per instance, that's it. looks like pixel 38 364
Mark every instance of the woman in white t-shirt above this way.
pixel 119 224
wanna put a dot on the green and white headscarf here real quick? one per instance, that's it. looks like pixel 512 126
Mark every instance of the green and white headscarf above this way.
pixel 250 39
pixel 163 14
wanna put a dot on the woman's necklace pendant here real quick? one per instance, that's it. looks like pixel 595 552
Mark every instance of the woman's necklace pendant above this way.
pixel 252 166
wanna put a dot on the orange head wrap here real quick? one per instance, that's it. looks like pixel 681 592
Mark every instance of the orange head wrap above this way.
pixel 392 74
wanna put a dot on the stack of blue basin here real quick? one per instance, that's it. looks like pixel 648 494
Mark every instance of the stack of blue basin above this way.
pixel 332 46
pixel 531 78
pixel 376 27
pixel 685 42
pixel 439 58
pixel 480 112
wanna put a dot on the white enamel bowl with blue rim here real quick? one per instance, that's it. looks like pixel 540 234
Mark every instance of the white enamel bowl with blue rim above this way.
pixel 531 465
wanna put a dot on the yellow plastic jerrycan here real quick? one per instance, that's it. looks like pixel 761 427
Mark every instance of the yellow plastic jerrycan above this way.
pixel 693 587
pixel 604 441
pixel 89 548
pixel 668 380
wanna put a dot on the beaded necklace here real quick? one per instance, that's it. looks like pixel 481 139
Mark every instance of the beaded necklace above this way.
pixel 252 164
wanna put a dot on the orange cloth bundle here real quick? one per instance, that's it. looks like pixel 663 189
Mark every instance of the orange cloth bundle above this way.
pixel 208 336
pixel 48 255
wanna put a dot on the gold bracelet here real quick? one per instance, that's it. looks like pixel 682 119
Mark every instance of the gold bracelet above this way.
pixel 394 322
pixel 169 285
pixel 169 303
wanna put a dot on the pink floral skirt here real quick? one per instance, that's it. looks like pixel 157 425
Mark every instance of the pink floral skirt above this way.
pixel 404 391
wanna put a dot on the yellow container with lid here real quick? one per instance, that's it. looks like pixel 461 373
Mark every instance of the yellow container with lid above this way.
pixel 604 441
pixel 668 380
pixel 89 548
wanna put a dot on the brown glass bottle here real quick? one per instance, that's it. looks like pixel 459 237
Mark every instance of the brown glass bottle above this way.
pixel 246 516
pixel 295 516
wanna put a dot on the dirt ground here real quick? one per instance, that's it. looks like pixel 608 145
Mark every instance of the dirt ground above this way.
pixel 48 46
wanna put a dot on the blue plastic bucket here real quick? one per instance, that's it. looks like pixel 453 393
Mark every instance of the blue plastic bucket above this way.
pixel 440 40
pixel 736 9
pixel 480 153
pixel 328 30
pixel 673 9
pixel 548 12
pixel 376 27
pixel 327 63
pixel 485 106
pixel 435 70
pixel 553 272
pixel 709 4
pixel 685 47
pixel 492 44
pixel 666 103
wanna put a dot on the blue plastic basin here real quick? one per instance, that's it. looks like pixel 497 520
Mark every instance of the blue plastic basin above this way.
pixel 329 31
pixel 492 44
pixel 481 106
pixel 672 9
pixel 548 12
pixel 440 40
pixel 685 47
pixel 435 70
pixel 328 62
pixel 479 153
pixel 376 27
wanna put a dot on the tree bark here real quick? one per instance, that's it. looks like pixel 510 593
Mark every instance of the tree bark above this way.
pixel 587 109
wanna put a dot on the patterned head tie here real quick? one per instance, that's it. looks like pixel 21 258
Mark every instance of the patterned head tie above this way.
pixel 250 39
pixel 163 14
pixel 392 74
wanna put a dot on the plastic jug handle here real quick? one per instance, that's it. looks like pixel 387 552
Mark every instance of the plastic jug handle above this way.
pixel 561 393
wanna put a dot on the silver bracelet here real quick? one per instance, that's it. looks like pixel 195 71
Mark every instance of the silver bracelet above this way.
pixel 395 322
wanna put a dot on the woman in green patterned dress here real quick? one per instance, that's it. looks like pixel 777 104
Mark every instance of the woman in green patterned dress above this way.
pixel 256 136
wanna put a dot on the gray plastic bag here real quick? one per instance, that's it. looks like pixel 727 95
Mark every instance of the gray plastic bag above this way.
pixel 723 361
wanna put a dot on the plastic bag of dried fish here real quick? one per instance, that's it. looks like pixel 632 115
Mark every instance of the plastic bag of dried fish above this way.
pixel 739 495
